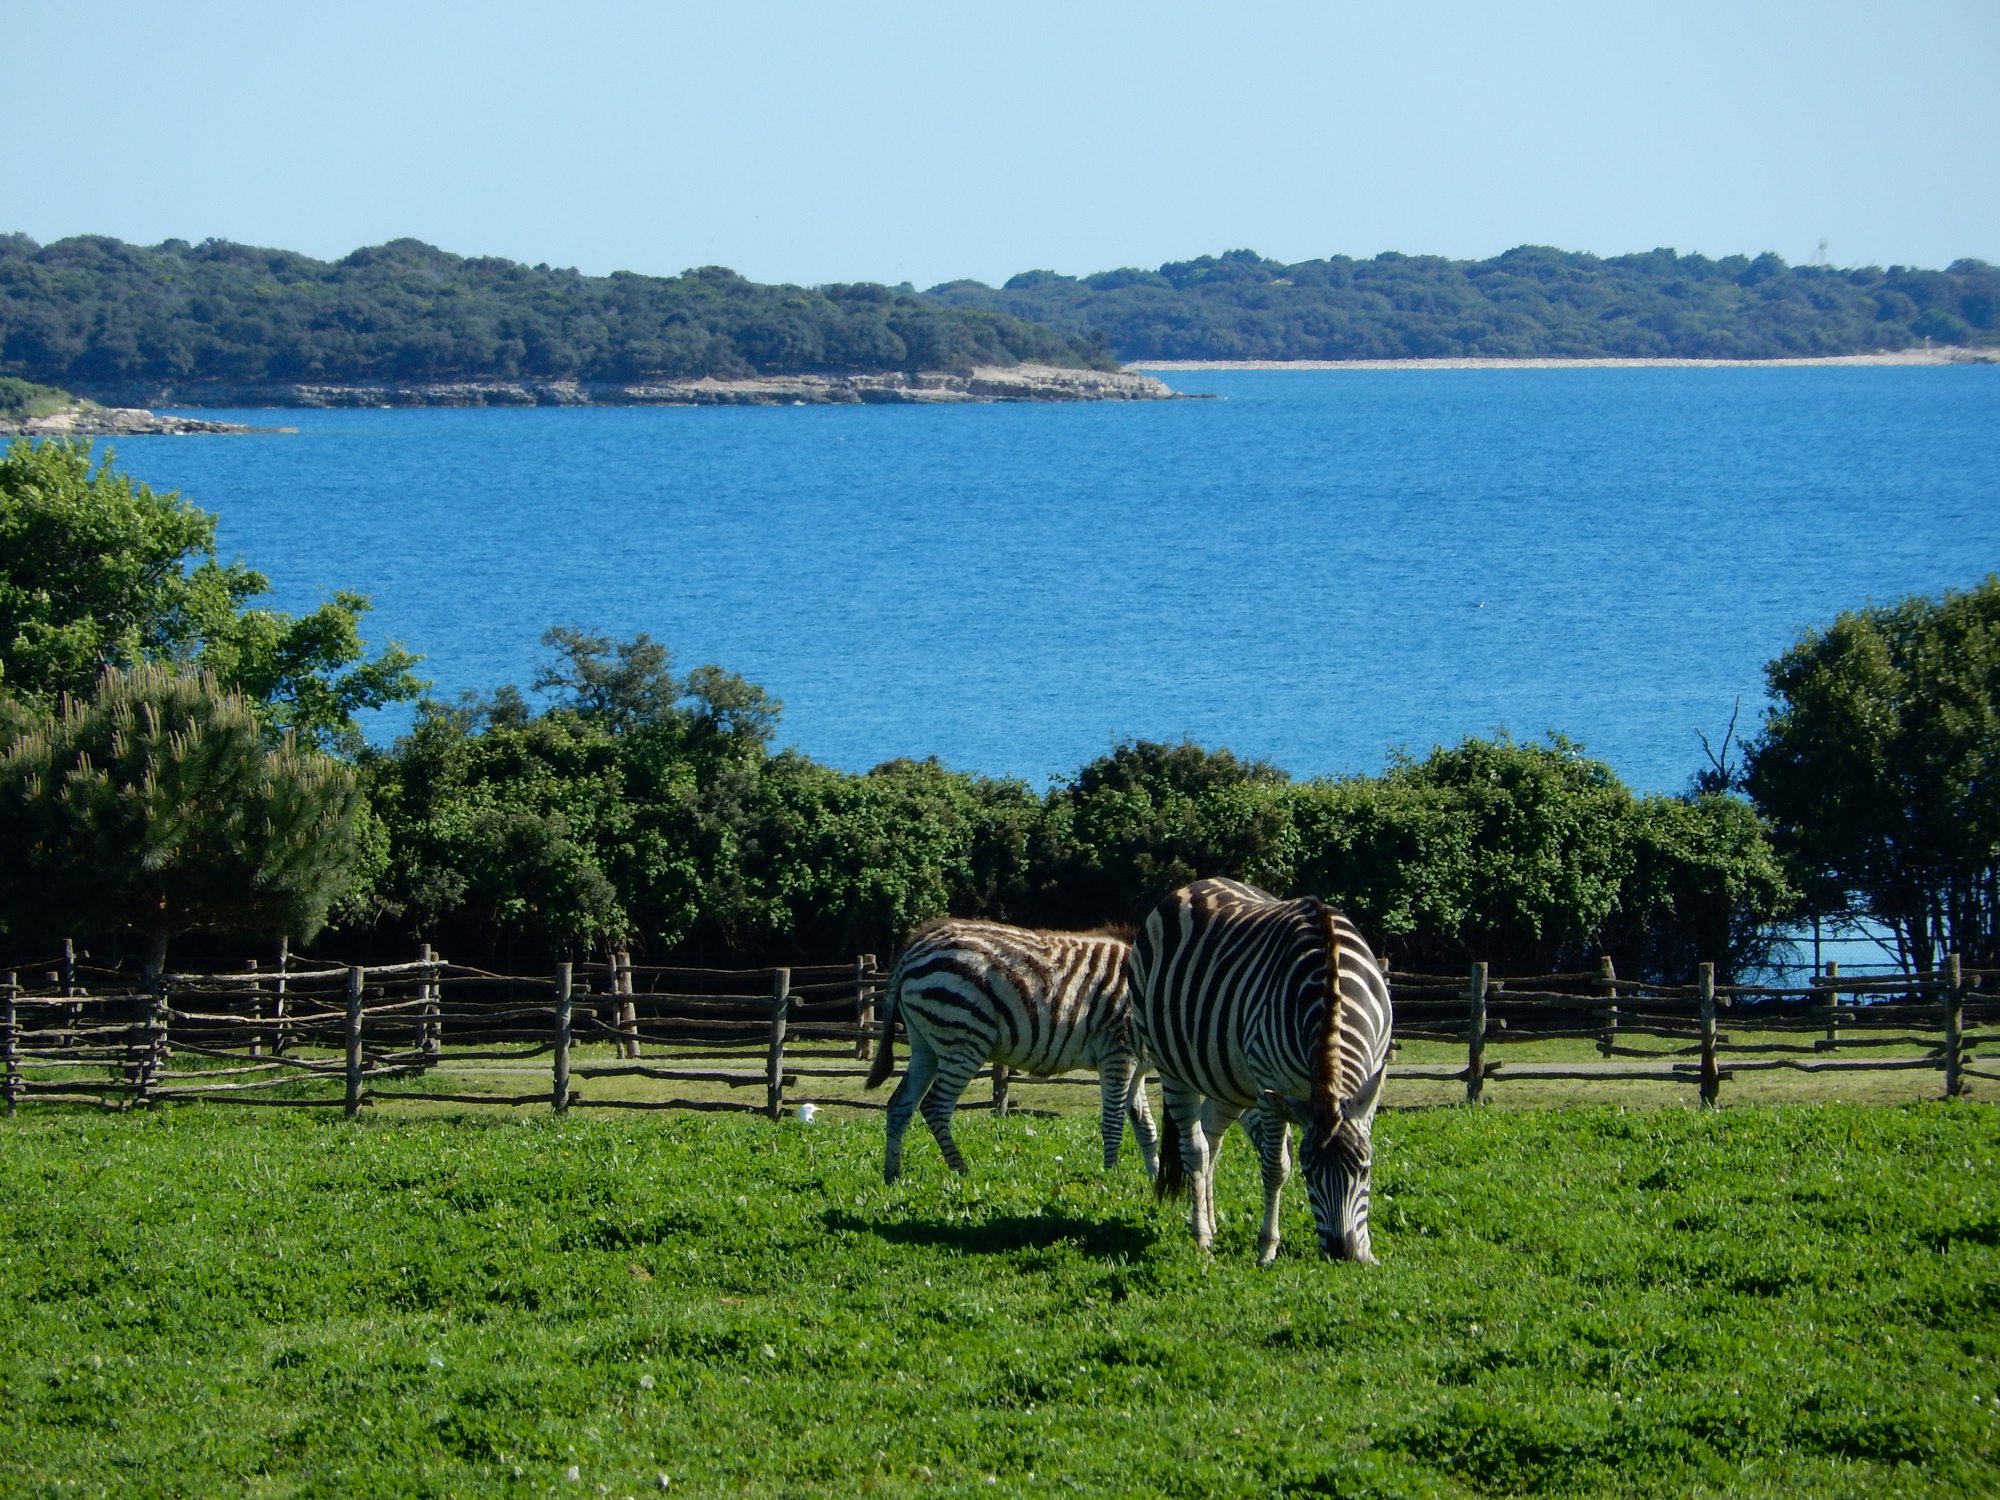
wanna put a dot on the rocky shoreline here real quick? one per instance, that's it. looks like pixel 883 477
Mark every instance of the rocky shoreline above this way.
pixel 992 383
pixel 87 419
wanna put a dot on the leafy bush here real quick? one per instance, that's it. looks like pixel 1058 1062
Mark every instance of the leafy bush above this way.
pixel 1537 858
pixel 616 823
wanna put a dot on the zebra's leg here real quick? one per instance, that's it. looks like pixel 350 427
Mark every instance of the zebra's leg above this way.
pixel 1273 1134
pixel 1143 1129
pixel 1114 1086
pixel 1201 1122
pixel 918 1072
pixel 1216 1118
pixel 1183 1109
pixel 954 1073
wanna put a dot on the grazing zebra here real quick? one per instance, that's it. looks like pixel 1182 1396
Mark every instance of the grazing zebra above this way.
pixel 1229 998
pixel 971 992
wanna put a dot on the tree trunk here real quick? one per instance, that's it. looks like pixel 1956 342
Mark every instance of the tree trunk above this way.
pixel 156 954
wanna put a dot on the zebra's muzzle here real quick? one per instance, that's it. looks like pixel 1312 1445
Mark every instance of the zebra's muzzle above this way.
pixel 1350 1246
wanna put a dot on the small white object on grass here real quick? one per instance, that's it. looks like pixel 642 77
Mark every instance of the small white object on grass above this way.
pixel 645 1382
pixel 573 1473
pixel 806 1113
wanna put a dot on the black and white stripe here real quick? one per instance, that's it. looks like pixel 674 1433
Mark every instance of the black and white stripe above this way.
pixel 970 992
pixel 1230 1000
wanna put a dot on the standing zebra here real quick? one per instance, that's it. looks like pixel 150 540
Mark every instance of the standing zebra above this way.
pixel 1230 989
pixel 970 992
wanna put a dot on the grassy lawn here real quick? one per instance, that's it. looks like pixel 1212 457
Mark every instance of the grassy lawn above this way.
pixel 1795 1300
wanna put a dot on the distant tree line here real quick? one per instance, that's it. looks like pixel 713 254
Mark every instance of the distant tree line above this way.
pixel 93 314
pixel 1531 301
pixel 173 757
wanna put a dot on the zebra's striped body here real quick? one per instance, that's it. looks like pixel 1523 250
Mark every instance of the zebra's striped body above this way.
pixel 970 992
pixel 1230 999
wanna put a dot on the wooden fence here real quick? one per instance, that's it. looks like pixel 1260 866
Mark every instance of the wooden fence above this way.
pixel 286 1036
pixel 1816 1027
pixel 306 1035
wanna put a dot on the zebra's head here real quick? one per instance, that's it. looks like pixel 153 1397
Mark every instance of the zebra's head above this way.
pixel 1335 1168
pixel 1335 1152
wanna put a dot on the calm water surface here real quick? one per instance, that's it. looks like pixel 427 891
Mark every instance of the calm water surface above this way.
pixel 1320 567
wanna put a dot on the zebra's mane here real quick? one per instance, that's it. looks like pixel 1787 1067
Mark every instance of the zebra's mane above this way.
pixel 1124 932
pixel 1326 1052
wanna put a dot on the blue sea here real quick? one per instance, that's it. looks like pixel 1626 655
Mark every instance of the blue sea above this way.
pixel 1315 569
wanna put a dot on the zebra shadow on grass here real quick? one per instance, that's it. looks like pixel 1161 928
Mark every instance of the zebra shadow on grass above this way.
pixel 1007 1234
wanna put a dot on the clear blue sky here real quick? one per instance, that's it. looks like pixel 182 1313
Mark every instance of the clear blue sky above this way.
pixel 815 143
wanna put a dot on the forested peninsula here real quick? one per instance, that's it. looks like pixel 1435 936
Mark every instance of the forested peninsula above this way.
pixel 1531 302
pixel 406 323
pixel 221 323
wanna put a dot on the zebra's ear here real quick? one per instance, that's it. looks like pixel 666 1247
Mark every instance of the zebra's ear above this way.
pixel 1362 1105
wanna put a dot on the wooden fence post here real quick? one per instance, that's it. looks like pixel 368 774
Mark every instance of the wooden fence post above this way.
pixel 433 1031
pixel 565 1003
pixel 1954 1026
pixel 1832 974
pixel 1607 973
pixel 1711 1080
pixel 155 1054
pixel 628 1008
pixel 774 1071
pixel 69 976
pixel 13 1050
pixel 864 1006
pixel 69 981
pixel 134 1063
pixel 278 1037
pixel 256 1008
pixel 1002 1074
pixel 1475 1034
pixel 357 979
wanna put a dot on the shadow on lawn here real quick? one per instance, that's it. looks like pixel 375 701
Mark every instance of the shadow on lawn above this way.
pixel 1100 1239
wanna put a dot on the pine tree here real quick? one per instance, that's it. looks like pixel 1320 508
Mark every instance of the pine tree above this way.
pixel 156 806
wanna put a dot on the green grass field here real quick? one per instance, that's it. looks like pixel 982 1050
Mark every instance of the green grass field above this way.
pixel 1786 1301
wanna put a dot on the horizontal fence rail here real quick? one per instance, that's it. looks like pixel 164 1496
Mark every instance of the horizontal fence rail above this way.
pixel 307 1034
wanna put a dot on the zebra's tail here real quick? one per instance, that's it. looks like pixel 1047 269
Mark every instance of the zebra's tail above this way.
pixel 1171 1181
pixel 885 1044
